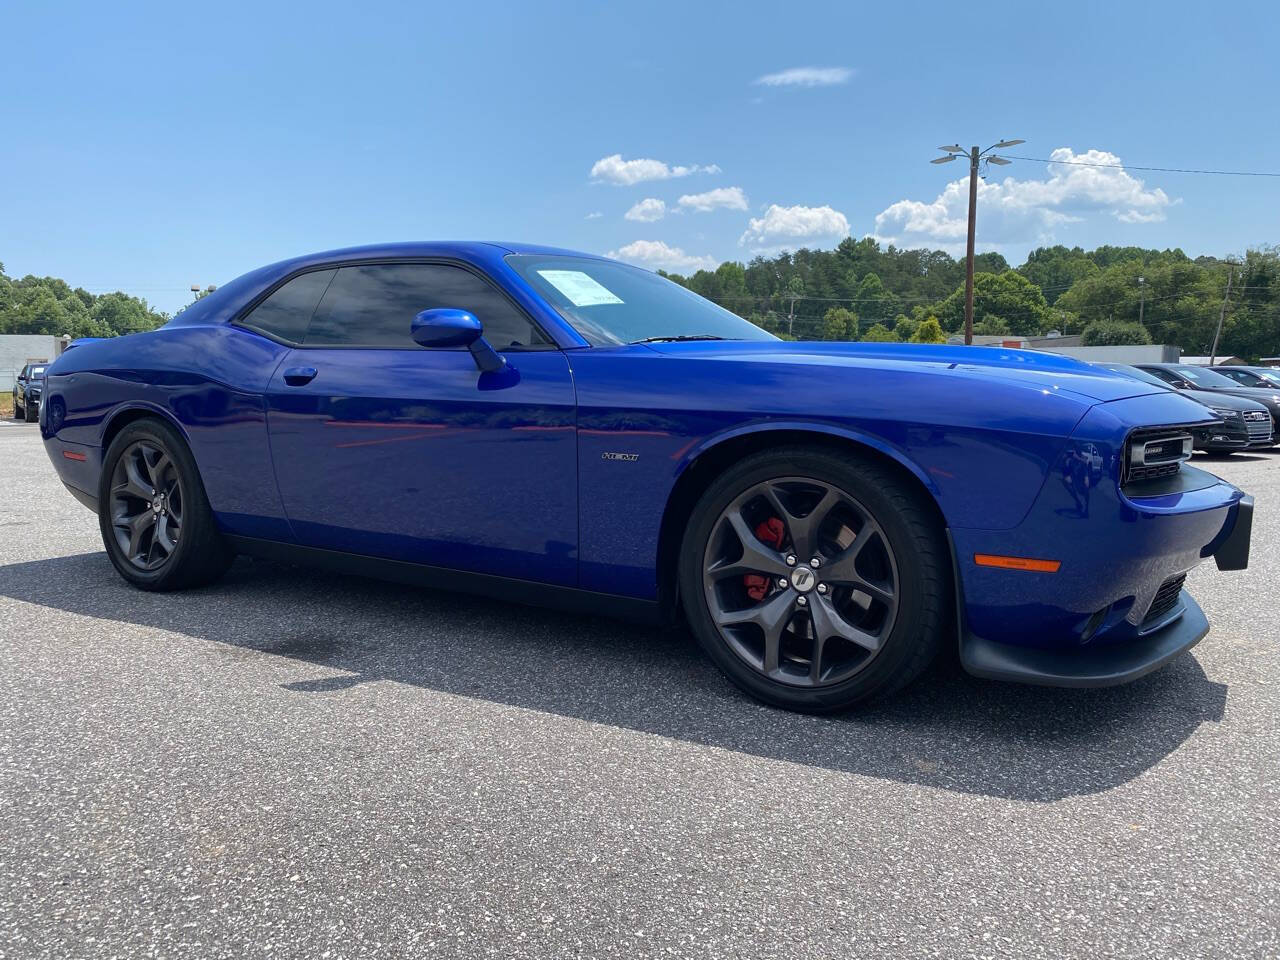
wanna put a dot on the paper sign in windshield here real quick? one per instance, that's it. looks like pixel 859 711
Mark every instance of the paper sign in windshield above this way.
pixel 581 289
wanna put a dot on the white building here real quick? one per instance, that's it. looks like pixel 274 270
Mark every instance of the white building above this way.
pixel 19 349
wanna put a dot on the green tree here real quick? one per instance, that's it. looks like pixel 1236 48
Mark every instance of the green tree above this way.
pixel 905 328
pixel 840 323
pixel 929 332
pixel 878 333
pixel 992 326
pixel 1110 333
pixel 1009 296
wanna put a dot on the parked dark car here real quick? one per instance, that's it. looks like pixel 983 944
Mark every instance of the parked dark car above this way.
pixel 1184 376
pixel 26 392
pixel 1244 424
pixel 1267 378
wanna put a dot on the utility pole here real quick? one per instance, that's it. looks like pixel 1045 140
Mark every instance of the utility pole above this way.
pixel 968 257
pixel 1142 298
pixel 1222 315
pixel 975 157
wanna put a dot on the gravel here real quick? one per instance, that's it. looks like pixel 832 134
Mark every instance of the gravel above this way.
pixel 294 764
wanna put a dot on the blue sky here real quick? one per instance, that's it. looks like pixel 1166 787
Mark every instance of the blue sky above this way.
pixel 149 147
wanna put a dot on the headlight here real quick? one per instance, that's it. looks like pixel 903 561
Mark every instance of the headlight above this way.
pixel 1225 413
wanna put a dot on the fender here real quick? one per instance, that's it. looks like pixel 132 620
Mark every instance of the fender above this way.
pixel 710 442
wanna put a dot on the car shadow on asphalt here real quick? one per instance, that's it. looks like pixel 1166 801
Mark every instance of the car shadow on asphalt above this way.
pixel 947 730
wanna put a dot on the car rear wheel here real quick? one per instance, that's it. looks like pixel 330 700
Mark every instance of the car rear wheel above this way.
pixel 156 523
pixel 816 580
pixel 29 415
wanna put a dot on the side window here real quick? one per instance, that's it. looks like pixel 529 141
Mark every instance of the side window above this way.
pixel 286 313
pixel 373 305
pixel 1164 375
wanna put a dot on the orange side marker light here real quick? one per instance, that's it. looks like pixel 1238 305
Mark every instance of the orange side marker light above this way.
pixel 1016 563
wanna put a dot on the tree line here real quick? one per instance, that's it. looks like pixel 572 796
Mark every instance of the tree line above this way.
pixel 48 305
pixel 863 291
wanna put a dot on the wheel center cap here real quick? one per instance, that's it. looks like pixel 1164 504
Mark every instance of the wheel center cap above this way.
pixel 157 504
pixel 803 579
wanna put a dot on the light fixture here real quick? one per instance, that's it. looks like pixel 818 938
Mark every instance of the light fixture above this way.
pixel 999 161
pixel 944 159
pixel 1007 143
pixel 953 148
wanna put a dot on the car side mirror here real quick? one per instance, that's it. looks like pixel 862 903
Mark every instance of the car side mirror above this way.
pixel 446 327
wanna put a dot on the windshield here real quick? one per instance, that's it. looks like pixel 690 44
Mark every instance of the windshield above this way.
pixel 611 303
pixel 1204 378
pixel 1127 371
pixel 1271 376
pixel 35 373
pixel 1254 378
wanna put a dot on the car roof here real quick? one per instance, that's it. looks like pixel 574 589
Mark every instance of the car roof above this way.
pixel 468 249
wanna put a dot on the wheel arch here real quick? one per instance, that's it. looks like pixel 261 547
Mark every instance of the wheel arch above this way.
pixel 708 461
pixel 129 413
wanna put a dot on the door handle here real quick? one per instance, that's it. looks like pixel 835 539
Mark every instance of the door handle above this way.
pixel 299 376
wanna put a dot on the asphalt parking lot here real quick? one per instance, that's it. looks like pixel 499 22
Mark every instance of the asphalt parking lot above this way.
pixel 303 765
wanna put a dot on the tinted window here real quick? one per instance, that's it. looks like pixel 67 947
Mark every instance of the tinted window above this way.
pixel 373 306
pixel 1165 375
pixel 1203 377
pixel 286 313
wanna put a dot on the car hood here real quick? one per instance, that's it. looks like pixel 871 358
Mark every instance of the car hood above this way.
pixel 1027 367
pixel 1228 401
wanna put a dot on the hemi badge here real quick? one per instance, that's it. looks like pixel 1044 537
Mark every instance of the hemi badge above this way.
pixel 73 455
pixel 626 457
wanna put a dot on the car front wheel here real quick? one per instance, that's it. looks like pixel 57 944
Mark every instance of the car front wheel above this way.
pixel 815 579
pixel 157 526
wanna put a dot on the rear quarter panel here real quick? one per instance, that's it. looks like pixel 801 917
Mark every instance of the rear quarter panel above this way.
pixel 208 381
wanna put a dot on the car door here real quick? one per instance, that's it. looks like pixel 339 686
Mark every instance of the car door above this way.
pixel 385 448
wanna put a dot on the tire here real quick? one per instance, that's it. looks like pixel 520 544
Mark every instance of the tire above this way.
pixel 184 548
pixel 881 548
pixel 16 408
pixel 29 415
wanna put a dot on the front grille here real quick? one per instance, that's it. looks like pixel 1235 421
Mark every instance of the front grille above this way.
pixel 1151 473
pixel 1258 423
pixel 1165 599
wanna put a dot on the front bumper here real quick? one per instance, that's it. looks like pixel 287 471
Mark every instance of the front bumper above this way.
pixel 1113 608
pixel 1101 666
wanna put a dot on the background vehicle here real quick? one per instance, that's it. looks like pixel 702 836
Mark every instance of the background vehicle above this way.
pixel 1243 424
pixel 1186 377
pixel 1267 378
pixel 26 392
pixel 552 427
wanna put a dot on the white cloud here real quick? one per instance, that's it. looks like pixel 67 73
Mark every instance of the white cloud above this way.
pixel 728 198
pixel 594 215
pixel 784 224
pixel 647 210
pixel 624 173
pixel 1026 211
pixel 807 77
pixel 655 254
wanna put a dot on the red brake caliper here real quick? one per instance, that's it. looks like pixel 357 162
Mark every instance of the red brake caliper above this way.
pixel 770 532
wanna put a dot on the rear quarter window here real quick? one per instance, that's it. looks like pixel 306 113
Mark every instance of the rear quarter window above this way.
pixel 286 314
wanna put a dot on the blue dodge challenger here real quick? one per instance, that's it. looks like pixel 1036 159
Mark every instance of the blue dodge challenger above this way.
pixel 552 427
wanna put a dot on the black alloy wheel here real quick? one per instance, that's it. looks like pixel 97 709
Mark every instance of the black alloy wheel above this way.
pixel 816 578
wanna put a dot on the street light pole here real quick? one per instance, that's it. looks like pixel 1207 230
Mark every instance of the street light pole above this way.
pixel 968 257
pixel 976 157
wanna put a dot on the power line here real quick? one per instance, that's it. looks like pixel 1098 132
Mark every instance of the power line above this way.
pixel 1129 166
